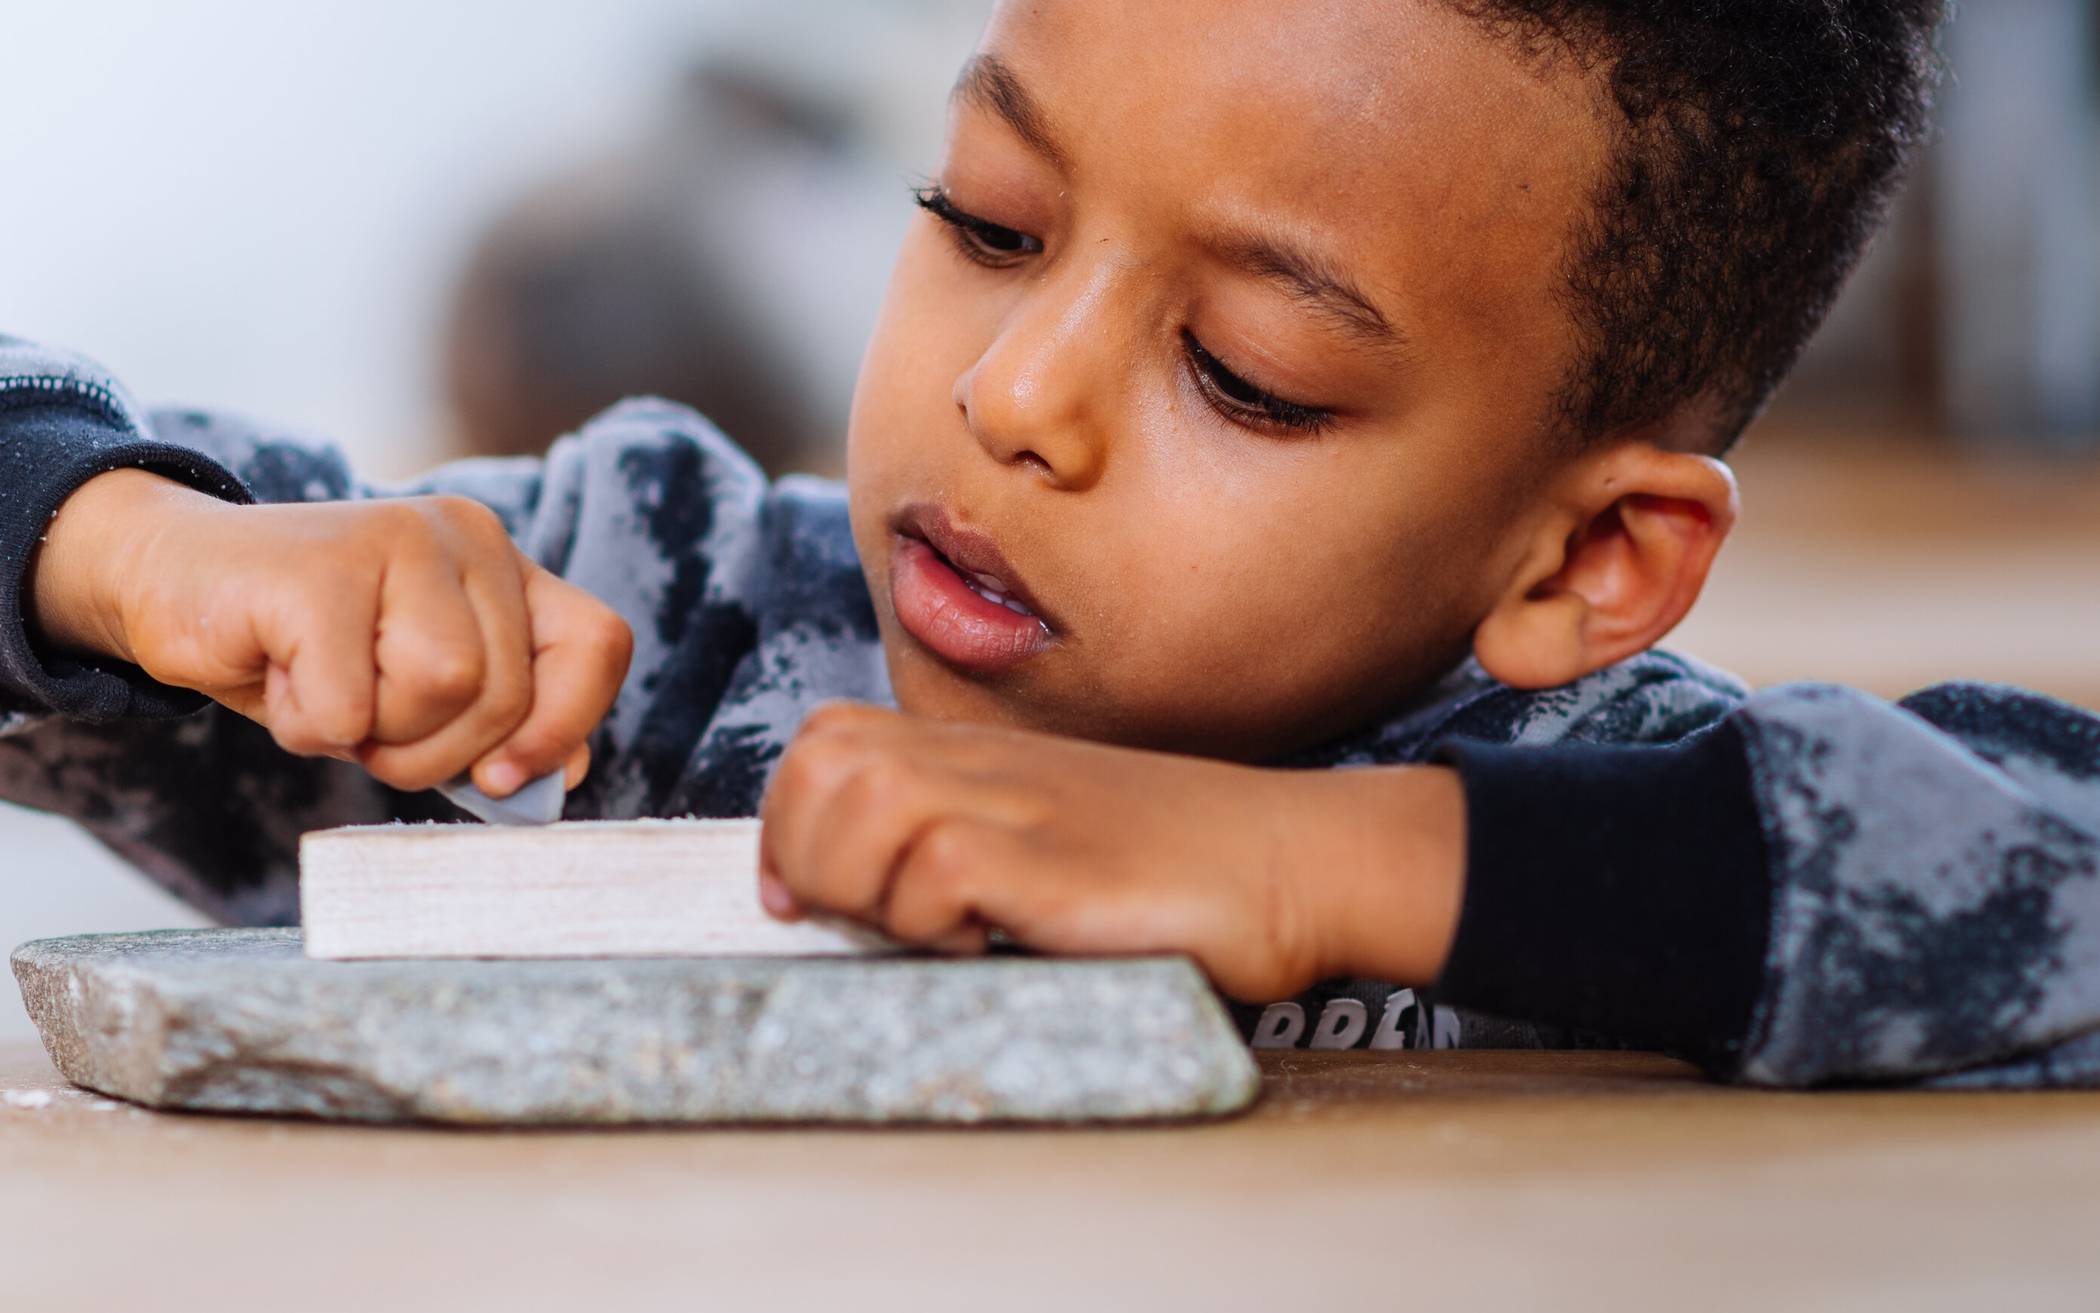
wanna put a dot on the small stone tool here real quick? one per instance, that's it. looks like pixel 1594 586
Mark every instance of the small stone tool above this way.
pixel 538 803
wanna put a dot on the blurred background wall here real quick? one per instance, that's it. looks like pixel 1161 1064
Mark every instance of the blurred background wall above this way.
pixel 425 230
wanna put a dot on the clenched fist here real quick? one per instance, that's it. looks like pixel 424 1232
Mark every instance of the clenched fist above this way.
pixel 409 635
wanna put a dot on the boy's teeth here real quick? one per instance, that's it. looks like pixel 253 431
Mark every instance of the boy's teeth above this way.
pixel 991 588
pixel 983 586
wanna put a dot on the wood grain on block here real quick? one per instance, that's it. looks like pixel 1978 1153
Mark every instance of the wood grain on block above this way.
pixel 573 889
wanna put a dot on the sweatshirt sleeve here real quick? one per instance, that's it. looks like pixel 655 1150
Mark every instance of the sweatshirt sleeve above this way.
pixel 649 508
pixel 1823 888
pixel 61 425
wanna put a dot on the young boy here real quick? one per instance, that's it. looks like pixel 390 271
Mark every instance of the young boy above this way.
pixel 1321 385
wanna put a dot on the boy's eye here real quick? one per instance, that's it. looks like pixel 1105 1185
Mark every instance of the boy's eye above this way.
pixel 980 240
pixel 1244 403
pixel 996 246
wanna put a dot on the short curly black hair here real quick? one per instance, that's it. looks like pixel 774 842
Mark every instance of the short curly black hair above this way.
pixel 1759 142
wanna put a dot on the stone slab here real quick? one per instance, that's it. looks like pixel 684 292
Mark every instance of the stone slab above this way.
pixel 241 1021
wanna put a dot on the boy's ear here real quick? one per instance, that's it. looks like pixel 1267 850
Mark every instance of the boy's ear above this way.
pixel 1619 558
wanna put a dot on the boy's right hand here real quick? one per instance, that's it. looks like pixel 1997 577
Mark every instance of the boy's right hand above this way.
pixel 409 635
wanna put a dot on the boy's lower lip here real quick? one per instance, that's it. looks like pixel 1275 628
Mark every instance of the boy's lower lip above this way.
pixel 952 619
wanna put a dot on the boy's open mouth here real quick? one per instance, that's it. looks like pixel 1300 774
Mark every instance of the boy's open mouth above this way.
pixel 956 593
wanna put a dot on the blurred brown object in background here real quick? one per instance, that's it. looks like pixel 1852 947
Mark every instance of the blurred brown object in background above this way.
pixel 1889 559
pixel 1977 312
pixel 580 297
pixel 583 294
pixel 680 265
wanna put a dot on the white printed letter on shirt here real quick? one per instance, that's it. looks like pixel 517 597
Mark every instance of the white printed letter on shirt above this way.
pixel 1342 1023
pixel 1280 1026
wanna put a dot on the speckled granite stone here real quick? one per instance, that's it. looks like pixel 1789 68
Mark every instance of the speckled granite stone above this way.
pixel 241 1021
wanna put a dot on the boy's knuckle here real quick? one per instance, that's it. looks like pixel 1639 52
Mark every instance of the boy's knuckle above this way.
pixel 452 672
pixel 611 637
pixel 945 855
pixel 539 748
pixel 864 790
pixel 837 717
pixel 475 521
pixel 345 728
pixel 509 703
pixel 495 720
pixel 397 524
pixel 805 764
pixel 822 719
pixel 299 739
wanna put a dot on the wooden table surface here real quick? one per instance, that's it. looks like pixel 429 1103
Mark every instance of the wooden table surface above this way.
pixel 1476 1180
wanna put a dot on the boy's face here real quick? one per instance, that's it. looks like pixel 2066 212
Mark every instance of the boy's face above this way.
pixel 1229 348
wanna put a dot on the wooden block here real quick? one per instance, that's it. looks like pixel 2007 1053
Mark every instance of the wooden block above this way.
pixel 573 889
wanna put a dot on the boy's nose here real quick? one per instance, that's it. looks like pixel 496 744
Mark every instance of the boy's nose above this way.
pixel 1044 392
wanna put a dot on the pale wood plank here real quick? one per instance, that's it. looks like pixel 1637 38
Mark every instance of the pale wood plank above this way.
pixel 574 889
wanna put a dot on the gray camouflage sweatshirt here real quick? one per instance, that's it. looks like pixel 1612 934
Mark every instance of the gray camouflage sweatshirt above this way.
pixel 1800 887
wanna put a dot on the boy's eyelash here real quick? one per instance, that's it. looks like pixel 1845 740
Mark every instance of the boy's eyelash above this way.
pixel 1243 402
pixel 978 240
pixel 995 246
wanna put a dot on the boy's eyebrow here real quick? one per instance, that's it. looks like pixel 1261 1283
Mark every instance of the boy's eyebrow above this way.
pixel 988 82
pixel 1313 279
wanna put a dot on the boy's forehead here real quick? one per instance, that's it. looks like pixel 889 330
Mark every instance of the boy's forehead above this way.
pixel 1398 126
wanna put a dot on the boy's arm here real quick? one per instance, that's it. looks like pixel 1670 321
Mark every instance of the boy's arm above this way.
pixel 206 802
pixel 1823 888
pixel 198 798
pixel 1820 888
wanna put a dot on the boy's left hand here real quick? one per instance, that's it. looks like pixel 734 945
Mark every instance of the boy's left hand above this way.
pixel 938 832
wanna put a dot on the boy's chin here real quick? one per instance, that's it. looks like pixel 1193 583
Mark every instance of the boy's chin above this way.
pixel 1022 698
pixel 924 685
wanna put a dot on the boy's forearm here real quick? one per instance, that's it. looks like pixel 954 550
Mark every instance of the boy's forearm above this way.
pixel 61 429
pixel 96 540
pixel 1387 892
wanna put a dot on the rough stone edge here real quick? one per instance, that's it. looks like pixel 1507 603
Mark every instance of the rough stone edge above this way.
pixel 68 1004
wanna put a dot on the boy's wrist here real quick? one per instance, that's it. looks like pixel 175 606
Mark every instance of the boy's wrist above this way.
pixel 93 545
pixel 1385 899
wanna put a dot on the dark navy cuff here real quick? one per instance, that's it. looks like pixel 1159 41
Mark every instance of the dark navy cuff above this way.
pixel 48 448
pixel 1621 890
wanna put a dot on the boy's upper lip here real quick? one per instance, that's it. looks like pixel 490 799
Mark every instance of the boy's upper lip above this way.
pixel 970 551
